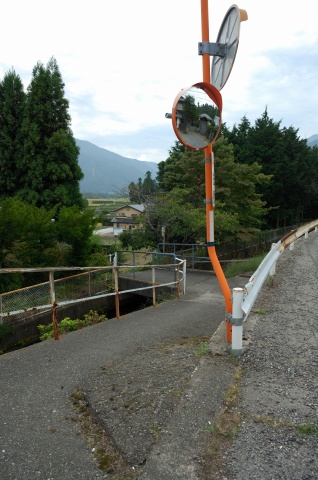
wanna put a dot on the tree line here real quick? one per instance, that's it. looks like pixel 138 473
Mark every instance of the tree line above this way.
pixel 266 177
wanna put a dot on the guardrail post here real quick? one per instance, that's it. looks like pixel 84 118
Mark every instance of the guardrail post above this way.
pixel 237 322
pixel 306 234
pixel 292 246
pixel 273 267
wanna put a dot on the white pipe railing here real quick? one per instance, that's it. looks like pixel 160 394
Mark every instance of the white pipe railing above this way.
pixel 243 299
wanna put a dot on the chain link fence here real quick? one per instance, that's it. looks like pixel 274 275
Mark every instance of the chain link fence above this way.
pixel 197 256
pixel 40 297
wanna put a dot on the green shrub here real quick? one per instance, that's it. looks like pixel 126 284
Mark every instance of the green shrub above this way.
pixel 69 325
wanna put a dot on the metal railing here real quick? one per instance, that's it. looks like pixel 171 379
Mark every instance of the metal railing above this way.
pixel 244 298
pixel 93 282
pixel 197 256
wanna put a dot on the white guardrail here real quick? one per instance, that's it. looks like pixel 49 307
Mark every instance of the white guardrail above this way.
pixel 244 298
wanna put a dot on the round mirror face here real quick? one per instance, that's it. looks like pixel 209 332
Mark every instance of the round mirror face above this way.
pixel 196 116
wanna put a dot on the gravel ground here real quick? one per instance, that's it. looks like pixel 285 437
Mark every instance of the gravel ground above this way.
pixel 278 437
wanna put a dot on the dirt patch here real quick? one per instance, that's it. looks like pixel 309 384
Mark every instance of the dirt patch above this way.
pixel 129 403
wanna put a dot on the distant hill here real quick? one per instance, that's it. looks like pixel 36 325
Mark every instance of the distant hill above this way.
pixel 312 141
pixel 108 172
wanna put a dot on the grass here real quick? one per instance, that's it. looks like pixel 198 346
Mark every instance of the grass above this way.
pixel 250 265
pixel 203 349
pixel 308 429
pixel 260 311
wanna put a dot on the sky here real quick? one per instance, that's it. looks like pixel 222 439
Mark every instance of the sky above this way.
pixel 123 63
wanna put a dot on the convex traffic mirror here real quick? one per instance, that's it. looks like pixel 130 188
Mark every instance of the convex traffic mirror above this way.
pixel 196 115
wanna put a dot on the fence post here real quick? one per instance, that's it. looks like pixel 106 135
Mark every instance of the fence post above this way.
pixel 116 292
pixel 237 322
pixel 53 303
pixel 154 286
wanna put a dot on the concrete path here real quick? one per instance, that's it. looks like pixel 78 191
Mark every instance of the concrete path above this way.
pixel 36 438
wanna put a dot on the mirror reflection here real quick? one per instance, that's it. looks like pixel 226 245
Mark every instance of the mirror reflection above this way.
pixel 197 119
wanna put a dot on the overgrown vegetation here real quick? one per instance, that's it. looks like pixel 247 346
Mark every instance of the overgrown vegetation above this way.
pixel 249 265
pixel 70 325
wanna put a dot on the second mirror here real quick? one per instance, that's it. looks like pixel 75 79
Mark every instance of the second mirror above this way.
pixel 196 115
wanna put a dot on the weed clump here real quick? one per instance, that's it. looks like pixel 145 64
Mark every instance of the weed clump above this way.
pixel 70 325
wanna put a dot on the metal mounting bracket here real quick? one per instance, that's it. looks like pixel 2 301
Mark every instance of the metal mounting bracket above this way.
pixel 236 322
pixel 214 49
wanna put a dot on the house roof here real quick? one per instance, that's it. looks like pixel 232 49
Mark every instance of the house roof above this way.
pixel 139 207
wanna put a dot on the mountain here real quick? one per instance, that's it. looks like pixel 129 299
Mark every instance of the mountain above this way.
pixel 312 141
pixel 108 172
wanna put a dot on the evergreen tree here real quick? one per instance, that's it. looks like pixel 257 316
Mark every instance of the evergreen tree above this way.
pixel 289 162
pixel 189 111
pixel 141 191
pixel 149 185
pixel 240 137
pixel 12 99
pixel 135 191
pixel 239 207
pixel 49 165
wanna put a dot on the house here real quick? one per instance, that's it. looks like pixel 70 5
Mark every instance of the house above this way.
pixel 126 218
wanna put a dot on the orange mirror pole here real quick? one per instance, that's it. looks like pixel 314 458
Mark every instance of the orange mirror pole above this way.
pixel 209 185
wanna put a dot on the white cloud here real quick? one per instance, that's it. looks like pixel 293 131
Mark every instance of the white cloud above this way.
pixel 124 62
